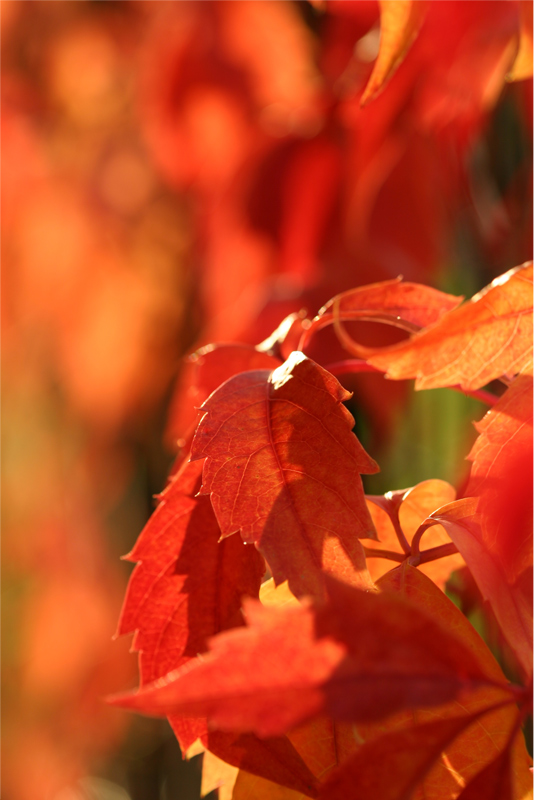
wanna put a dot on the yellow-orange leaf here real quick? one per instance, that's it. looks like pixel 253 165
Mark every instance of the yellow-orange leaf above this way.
pixel 522 66
pixel 400 21
pixel 487 337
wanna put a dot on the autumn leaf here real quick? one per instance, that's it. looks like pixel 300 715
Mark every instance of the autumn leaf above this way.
pixel 487 337
pixel 187 585
pixel 501 477
pixel 400 21
pixel 522 66
pixel 283 467
pixel 512 608
pixel 352 659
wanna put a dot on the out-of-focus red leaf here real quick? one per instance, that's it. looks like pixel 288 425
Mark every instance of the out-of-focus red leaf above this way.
pixel 393 301
pixel 392 766
pixel 283 467
pixel 187 585
pixel 522 66
pixel 352 658
pixel 489 336
pixel 512 608
pixel 400 21
pixel 203 372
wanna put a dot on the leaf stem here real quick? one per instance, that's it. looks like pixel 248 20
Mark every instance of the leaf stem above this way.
pixel 432 554
pixel 424 557
pixel 391 555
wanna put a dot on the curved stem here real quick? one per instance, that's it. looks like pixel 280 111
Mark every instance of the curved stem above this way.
pixel 416 541
pixel 363 315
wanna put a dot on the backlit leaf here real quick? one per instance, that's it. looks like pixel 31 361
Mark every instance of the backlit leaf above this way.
pixel 187 585
pixel 501 476
pixel 283 467
pixel 522 66
pixel 489 336
pixel 400 21
pixel 512 608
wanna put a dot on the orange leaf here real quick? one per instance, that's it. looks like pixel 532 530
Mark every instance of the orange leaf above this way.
pixel 283 467
pixel 400 21
pixel 489 336
pixel 522 66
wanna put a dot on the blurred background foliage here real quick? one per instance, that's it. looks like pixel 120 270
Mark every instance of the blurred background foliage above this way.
pixel 175 173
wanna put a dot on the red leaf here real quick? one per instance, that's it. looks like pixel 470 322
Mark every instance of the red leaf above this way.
pixel 489 336
pixel 512 609
pixel 282 466
pixel 501 477
pixel 353 659
pixel 392 766
pixel 187 585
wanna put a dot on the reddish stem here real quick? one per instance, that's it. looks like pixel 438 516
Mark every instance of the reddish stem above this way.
pixel 391 555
